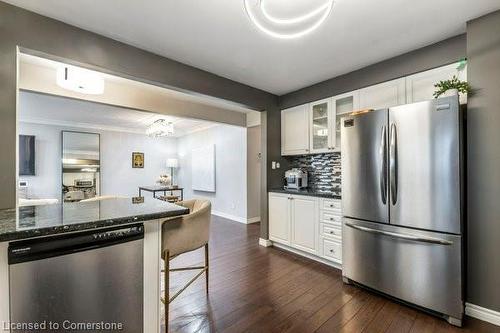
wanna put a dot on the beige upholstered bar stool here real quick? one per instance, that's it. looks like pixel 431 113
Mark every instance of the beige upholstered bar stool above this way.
pixel 185 234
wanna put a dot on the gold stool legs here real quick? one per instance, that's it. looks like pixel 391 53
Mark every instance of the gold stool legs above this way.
pixel 206 267
pixel 167 299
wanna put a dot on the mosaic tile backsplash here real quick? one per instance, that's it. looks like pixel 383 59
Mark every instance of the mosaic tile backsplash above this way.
pixel 323 171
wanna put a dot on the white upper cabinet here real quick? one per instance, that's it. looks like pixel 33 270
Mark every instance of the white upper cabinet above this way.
pixel 315 127
pixel 420 86
pixel 383 95
pixel 321 123
pixel 295 130
pixel 342 105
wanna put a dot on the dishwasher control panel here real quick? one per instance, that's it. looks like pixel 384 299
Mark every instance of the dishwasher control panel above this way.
pixel 119 233
pixel 36 249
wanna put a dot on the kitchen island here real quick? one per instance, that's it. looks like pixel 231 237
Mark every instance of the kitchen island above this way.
pixel 45 222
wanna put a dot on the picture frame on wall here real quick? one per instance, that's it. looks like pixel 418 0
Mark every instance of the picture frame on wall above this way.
pixel 137 160
pixel 203 169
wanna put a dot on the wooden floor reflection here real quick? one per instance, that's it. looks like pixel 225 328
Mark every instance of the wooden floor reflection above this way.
pixel 257 289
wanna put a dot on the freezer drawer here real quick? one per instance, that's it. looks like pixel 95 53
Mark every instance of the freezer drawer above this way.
pixel 423 268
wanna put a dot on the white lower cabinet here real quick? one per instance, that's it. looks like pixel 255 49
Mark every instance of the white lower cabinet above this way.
pixel 309 224
pixel 332 249
pixel 331 230
pixel 304 223
pixel 279 214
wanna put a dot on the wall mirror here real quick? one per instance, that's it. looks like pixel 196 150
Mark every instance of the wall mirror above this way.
pixel 80 166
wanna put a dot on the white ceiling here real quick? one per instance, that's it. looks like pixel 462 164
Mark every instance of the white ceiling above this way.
pixel 217 36
pixel 173 94
pixel 54 110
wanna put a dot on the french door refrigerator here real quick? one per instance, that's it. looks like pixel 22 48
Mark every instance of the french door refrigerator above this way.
pixel 402 204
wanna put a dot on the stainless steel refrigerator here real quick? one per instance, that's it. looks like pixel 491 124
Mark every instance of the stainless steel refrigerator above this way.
pixel 402 204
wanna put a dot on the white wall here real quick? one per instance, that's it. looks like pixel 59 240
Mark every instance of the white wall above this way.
pixel 119 178
pixel 46 183
pixel 117 175
pixel 230 198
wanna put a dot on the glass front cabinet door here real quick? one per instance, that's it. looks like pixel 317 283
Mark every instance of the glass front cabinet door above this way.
pixel 343 105
pixel 322 120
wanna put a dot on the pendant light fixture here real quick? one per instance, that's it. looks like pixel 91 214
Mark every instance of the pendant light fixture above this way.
pixel 286 28
pixel 159 128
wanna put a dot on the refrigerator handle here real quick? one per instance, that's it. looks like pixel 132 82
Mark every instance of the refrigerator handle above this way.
pixel 409 237
pixel 383 168
pixel 393 164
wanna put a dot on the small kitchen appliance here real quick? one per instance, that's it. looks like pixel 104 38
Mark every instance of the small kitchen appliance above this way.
pixel 296 179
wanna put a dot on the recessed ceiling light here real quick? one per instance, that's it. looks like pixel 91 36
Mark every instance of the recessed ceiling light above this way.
pixel 286 28
pixel 80 80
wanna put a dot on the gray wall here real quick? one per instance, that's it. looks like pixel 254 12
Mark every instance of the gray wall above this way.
pixel 254 147
pixel 483 136
pixel 28 30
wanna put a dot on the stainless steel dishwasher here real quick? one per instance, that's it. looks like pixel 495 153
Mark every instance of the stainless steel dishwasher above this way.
pixel 81 282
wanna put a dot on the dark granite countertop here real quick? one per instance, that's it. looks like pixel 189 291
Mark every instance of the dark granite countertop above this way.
pixel 36 221
pixel 309 192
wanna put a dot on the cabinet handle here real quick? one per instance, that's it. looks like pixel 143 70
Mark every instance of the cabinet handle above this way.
pixel 331 232
pixel 332 251
pixel 331 218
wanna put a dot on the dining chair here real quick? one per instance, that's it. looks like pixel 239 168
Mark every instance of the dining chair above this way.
pixel 184 234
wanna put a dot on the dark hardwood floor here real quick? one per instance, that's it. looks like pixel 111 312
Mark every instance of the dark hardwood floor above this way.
pixel 257 289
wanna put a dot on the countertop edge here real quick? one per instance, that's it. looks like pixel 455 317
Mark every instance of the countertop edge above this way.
pixel 86 226
pixel 309 194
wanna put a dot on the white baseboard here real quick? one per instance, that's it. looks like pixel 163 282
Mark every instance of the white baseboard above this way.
pixel 481 313
pixel 237 218
pixel 253 220
pixel 265 242
pixel 333 264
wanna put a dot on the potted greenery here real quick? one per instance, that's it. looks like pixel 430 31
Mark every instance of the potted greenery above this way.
pixel 451 87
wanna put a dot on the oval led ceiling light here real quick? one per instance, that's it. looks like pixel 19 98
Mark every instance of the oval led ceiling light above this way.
pixel 80 80
pixel 286 28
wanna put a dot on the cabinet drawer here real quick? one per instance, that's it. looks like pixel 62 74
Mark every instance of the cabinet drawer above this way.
pixel 331 217
pixel 331 231
pixel 331 204
pixel 332 249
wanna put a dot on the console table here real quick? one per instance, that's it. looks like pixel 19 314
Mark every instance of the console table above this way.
pixel 158 188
